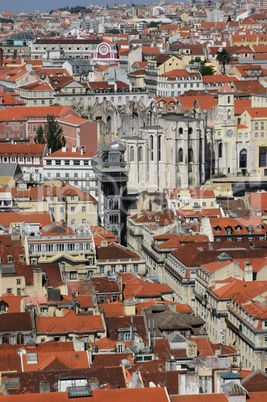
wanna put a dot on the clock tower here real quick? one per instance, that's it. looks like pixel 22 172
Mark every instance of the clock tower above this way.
pixel 225 132
pixel 226 107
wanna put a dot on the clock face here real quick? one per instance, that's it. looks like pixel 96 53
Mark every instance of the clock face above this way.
pixel 103 50
pixel 229 133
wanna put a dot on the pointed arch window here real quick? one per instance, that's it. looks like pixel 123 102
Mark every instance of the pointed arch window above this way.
pixel 180 155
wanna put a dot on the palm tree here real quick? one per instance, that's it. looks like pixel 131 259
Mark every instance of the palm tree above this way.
pixel 224 56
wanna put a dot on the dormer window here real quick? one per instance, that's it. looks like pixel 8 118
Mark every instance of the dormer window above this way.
pixel 217 228
pixel 238 228
pixel 249 229
pixel 229 230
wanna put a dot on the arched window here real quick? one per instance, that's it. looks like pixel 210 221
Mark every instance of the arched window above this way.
pixel 243 159
pixel 109 123
pixel 159 147
pixel 229 114
pixel 180 155
pixel 181 130
pixel 229 99
pixel 151 148
pixel 190 155
pixel 140 154
pixel 220 150
pixel 131 154
pixel 190 130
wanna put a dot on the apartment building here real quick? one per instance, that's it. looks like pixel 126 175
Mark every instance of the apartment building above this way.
pixel 66 203
pixel 73 166
pixel 177 82
pixel 28 156
pixel 73 248
pixel 46 49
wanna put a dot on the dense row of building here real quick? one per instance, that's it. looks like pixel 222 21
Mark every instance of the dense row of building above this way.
pixel 133 254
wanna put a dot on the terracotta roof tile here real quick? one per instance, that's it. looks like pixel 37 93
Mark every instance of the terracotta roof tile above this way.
pixel 70 323
pixel 104 285
pixel 114 323
pixel 115 252
pixel 115 309
pixel 132 395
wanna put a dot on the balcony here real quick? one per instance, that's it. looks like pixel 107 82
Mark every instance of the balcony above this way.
pixel 201 298
pixel 239 332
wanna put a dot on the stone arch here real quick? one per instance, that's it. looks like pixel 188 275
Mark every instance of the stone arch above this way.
pixel 109 124
pixel 243 155
pixel 140 154
pixel 131 154
pixel 151 145
pixel 159 148
pixel 190 155
pixel 180 155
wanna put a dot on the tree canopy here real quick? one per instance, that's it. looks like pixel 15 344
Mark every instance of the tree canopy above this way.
pixel 224 56
pixel 51 134
pixel 206 70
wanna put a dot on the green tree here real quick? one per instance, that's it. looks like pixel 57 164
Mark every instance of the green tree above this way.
pixel 206 70
pixel 224 56
pixel 114 31
pixel 40 138
pixel 52 134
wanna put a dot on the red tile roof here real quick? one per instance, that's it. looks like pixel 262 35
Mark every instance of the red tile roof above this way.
pixel 199 398
pixel 9 115
pixel 100 234
pixel 69 323
pixel 37 150
pixel 141 289
pixel 13 302
pixel 48 361
pixel 131 395
pixel 41 217
pixel 238 226
pixel 104 285
pixel 115 252
pixel 40 193
pixel 114 309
